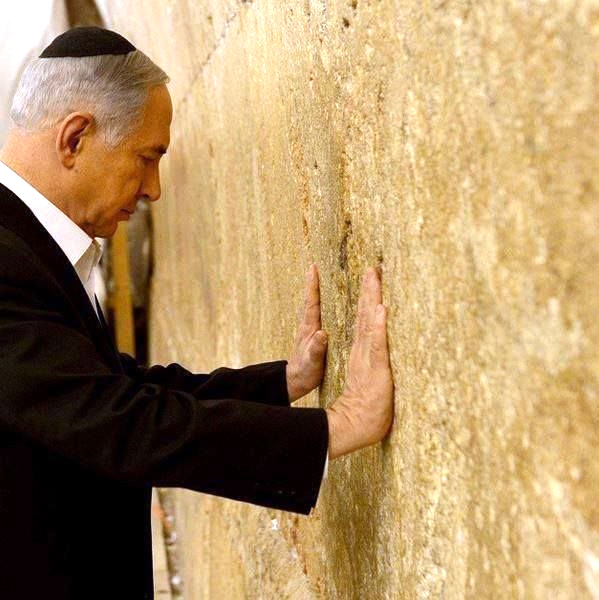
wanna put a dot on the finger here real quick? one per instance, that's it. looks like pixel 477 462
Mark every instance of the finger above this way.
pixel 370 297
pixel 312 299
pixel 376 288
pixel 370 292
pixel 308 283
pixel 379 348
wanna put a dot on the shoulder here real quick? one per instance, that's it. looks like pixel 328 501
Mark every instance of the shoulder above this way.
pixel 26 284
pixel 18 261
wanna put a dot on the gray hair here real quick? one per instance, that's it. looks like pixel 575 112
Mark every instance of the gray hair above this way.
pixel 113 88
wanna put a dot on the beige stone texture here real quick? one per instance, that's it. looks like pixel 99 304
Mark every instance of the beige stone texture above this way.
pixel 454 143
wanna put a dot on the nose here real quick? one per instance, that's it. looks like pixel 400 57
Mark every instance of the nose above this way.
pixel 151 183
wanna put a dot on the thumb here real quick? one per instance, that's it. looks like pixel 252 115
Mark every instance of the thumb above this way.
pixel 319 343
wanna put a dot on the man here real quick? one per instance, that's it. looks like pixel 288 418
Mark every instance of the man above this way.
pixel 84 432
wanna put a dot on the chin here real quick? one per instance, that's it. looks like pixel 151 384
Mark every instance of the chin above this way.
pixel 107 231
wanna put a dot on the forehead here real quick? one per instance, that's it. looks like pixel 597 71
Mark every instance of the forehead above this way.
pixel 153 131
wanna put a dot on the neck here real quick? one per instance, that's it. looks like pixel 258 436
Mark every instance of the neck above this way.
pixel 17 151
pixel 42 172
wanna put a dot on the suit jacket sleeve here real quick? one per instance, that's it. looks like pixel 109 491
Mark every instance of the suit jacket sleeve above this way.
pixel 265 383
pixel 58 392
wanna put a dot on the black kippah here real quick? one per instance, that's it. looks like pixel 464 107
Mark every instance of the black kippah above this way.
pixel 87 41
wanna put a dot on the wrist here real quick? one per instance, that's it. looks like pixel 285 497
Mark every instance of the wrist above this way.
pixel 292 385
pixel 338 433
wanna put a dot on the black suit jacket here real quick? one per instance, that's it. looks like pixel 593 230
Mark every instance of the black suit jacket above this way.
pixel 85 433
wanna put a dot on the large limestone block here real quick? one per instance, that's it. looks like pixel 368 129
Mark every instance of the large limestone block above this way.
pixel 455 144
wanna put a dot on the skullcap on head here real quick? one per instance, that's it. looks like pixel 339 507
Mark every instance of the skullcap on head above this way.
pixel 87 41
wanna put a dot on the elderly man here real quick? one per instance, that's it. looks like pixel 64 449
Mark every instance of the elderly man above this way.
pixel 85 432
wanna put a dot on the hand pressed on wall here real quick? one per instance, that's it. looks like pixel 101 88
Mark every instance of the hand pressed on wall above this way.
pixel 363 414
pixel 305 368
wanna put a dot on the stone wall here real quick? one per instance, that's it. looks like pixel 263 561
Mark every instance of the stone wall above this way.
pixel 455 144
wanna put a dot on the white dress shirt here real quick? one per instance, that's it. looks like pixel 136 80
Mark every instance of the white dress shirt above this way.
pixel 82 251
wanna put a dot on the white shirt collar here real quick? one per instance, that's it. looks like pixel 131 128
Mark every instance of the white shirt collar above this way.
pixel 82 251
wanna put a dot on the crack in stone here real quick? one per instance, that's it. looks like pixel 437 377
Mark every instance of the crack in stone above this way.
pixel 231 17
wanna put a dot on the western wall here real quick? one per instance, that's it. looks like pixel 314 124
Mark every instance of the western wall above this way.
pixel 455 144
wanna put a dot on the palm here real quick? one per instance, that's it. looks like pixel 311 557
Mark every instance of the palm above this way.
pixel 305 369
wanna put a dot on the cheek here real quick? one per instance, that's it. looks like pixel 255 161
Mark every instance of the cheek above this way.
pixel 127 183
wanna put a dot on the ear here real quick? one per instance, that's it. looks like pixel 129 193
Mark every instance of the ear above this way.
pixel 70 137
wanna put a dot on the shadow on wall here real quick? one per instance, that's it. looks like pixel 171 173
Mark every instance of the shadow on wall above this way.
pixel 83 12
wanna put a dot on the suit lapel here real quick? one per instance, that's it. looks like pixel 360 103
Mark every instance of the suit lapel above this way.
pixel 16 216
pixel 106 330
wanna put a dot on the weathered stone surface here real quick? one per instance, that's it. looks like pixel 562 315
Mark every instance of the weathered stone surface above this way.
pixel 455 144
